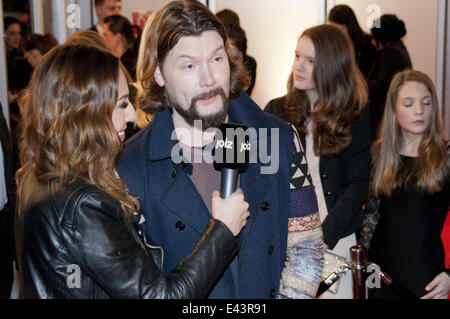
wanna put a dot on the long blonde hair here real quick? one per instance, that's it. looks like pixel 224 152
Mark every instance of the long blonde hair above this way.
pixel 430 168
pixel 68 132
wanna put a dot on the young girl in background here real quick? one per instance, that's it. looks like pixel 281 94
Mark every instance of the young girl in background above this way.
pixel 326 102
pixel 411 179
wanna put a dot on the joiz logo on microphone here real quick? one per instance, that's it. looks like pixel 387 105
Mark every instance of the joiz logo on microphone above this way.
pixel 229 145
pixel 224 144
pixel 233 146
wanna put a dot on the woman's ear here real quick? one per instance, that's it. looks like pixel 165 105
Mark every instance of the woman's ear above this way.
pixel 159 78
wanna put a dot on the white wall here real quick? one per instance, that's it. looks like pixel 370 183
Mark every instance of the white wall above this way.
pixel 130 6
pixel 272 28
pixel 420 18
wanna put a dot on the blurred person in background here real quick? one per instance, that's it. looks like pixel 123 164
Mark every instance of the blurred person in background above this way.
pixel 19 72
pixel 120 37
pixel 103 9
pixel 238 40
pixel 343 17
pixel 37 46
pixel 392 58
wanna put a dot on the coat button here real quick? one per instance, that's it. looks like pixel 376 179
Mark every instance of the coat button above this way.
pixel 183 165
pixel 180 225
pixel 270 251
pixel 324 176
pixel 328 194
pixel 265 206
pixel 174 173
pixel 272 293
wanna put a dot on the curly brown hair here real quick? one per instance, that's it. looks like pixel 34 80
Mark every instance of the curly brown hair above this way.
pixel 68 132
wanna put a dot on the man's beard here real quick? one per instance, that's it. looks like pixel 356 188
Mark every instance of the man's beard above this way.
pixel 208 121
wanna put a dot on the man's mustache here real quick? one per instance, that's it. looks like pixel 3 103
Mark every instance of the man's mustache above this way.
pixel 207 95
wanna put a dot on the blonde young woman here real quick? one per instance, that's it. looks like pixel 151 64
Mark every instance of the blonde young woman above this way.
pixel 411 179
pixel 79 233
pixel 326 102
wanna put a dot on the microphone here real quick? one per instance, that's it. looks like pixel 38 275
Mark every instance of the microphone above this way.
pixel 231 155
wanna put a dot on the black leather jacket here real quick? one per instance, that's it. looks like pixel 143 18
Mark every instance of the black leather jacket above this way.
pixel 77 243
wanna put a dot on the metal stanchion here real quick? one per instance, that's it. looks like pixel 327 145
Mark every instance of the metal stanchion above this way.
pixel 358 266
pixel 331 279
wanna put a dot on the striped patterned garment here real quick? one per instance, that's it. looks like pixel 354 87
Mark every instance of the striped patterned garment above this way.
pixel 302 272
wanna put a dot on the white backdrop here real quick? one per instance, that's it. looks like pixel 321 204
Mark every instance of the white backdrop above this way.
pixel 272 28
pixel 420 18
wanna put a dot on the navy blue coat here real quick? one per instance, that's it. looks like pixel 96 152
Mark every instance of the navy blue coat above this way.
pixel 175 214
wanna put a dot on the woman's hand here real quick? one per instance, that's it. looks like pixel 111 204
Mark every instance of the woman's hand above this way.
pixel 232 211
pixel 439 288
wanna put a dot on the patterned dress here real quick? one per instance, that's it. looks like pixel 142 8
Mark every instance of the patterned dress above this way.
pixel 302 272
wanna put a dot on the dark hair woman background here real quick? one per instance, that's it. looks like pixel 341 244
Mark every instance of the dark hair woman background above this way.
pixel 365 53
pixel 123 39
pixel 19 71
pixel 238 42
pixel 393 57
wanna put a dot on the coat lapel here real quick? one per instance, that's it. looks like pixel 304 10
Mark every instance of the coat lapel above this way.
pixel 183 200
pixel 181 197
pixel 253 183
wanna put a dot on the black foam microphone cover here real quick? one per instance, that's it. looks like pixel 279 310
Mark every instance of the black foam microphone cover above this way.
pixel 231 154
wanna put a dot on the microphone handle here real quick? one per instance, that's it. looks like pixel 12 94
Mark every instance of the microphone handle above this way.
pixel 228 183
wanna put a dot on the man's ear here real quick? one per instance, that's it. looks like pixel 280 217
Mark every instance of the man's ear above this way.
pixel 159 78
